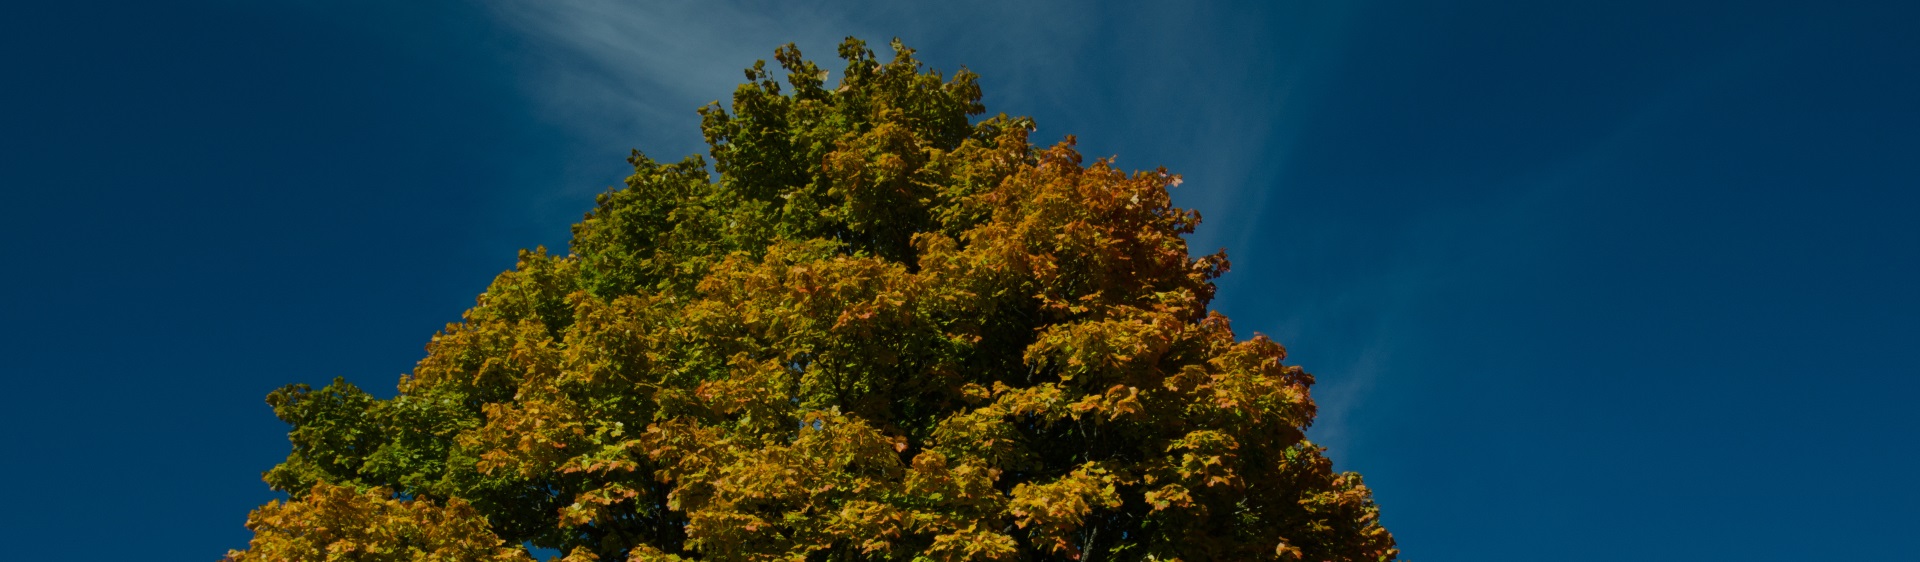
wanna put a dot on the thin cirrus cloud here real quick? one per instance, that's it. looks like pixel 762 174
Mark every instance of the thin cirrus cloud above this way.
pixel 617 74
pixel 1206 92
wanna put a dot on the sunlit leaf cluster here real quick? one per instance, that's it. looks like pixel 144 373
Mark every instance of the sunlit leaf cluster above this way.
pixel 872 327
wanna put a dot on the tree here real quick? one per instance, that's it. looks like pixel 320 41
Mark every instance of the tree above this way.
pixel 886 332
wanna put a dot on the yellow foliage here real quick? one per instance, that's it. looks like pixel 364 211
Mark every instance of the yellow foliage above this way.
pixel 883 331
pixel 334 523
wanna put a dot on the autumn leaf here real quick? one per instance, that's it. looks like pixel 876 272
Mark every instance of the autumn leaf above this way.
pixel 868 324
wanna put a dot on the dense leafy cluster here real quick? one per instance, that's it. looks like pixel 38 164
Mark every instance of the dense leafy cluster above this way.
pixel 885 332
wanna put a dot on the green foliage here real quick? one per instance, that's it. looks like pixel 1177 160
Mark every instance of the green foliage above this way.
pixel 886 332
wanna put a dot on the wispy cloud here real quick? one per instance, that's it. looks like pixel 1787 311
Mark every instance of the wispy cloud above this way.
pixel 624 74
pixel 1207 91
pixel 629 72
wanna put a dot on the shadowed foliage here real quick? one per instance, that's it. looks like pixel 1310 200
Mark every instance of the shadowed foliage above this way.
pixel 872 329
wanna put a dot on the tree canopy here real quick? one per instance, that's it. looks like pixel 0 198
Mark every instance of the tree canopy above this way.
pixel 873 328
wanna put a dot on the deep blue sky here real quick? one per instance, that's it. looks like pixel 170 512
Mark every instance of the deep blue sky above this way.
pixel 1581 281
